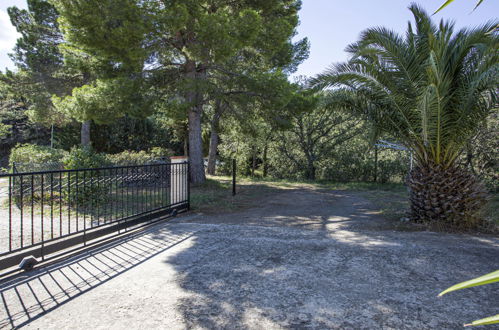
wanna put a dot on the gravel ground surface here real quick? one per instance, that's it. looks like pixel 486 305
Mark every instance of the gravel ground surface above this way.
pixel 304 259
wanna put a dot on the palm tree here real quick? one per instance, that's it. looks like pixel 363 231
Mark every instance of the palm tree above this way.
pixel 431 89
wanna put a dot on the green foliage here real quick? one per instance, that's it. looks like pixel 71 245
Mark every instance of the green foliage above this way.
pixel 317 128
pixel 431 89
pixel 182 50
pixel 482 280
pixel 84 157
pixel 5 130
pixel 216 30
pixel 139 157
pixel 41 69
pixel 87 194
pixel 103 101
pixel 27 154
pixel 481 154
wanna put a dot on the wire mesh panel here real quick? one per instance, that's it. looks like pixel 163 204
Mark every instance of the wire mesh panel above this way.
pixel 37 208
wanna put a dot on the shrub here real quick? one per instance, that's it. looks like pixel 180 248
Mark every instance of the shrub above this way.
pixel 79 158
pixel 89 193
pixel 32 157
pixel 160 152
pixel 139 157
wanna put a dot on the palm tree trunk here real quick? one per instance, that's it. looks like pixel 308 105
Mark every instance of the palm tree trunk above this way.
pixel 446 197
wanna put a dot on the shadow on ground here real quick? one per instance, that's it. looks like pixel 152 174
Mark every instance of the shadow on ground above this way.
pixel 313 258
pixel 27 297
pixel 304 258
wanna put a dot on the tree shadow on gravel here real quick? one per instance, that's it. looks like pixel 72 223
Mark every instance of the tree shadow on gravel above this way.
pixel 28 296
pixel 295 262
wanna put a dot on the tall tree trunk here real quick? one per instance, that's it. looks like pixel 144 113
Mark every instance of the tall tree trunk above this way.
pixel 85 133
pixel 212 155
pixel 186 145
pixel 195 139
pixel 253 161
pixel 265 162
pixel 310 168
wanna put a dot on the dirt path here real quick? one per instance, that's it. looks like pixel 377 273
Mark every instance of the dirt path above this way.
pixel 304 258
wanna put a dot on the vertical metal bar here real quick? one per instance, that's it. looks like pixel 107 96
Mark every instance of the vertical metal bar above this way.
pixel 114 186
pixel 21 205
pixel 41 204
pixel 111 191
pixel 104 205
pixel 127 183
pixel 180 183
pixel 69 203
pixel 174 183
pixel 51 205
pixel 166 179
pixel 91 200
pixel 151 188
pixel 152 205
pixel 233 177
pixel 60 204
pixel 97 175
pixel 32 209
pixel 154 182
pixel 184 182
pixel 77 200
pixel 160 186
pixel 170 185
pixel 188 185
pixel 142 195
pixel 41 216
pixel 163 180
pixel 122 194
pixel 109 206
pixel 148 188
pixel 139 184
pixel 86 195
pixel 10 213
pixel 134 193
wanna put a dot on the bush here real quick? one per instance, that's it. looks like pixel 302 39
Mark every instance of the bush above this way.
pixel 139 157
pixel 80 158
pixel 160 152
pixel 31 157
pixel 87 194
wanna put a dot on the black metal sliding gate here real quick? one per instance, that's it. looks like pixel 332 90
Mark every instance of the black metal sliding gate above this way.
pixel 45 212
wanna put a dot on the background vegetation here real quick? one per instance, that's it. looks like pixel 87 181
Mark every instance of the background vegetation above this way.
pixel 213 83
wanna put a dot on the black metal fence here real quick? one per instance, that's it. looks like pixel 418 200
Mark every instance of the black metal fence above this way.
pixel 48 211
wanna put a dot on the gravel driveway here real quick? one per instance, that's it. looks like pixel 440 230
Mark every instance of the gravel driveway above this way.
pixel 304 259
